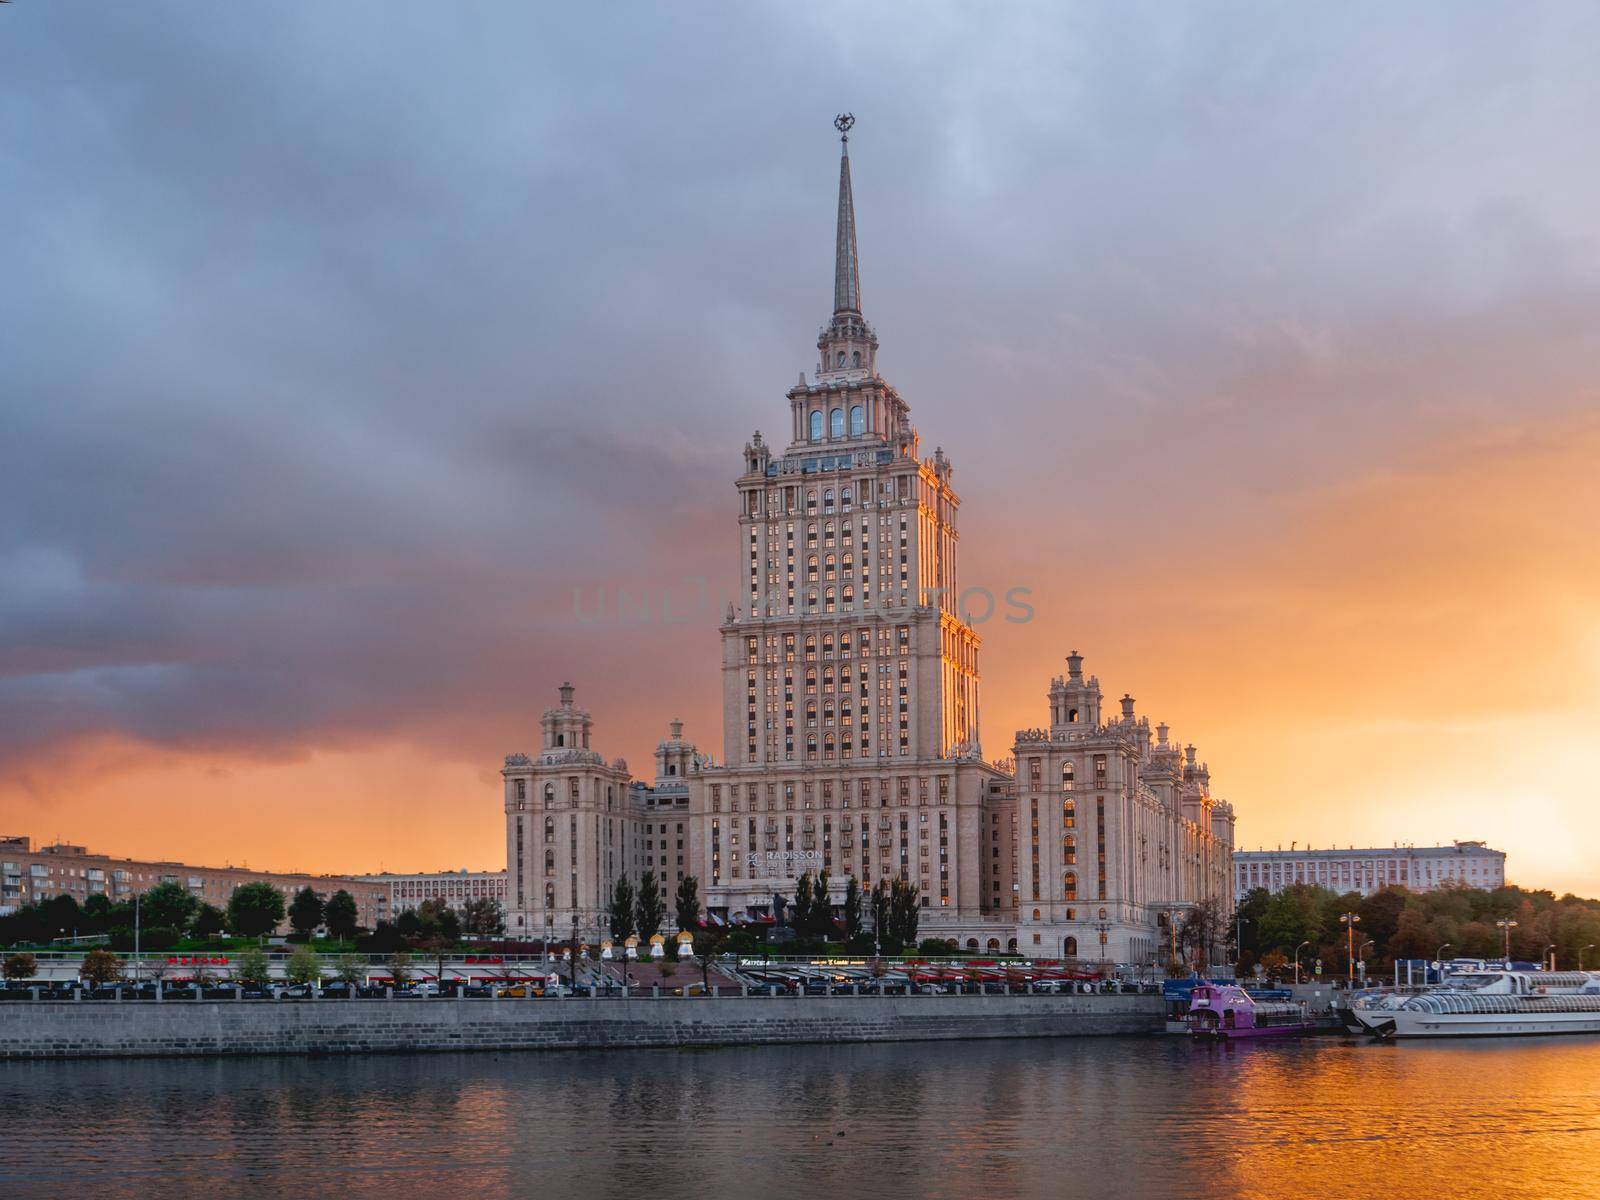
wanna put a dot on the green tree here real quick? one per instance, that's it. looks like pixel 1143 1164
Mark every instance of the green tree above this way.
pixel 100 967
pixel 852 909
pixel 400 968
pixel 20 966
pixel 341 916
pixel 305 965
pixel 208 920
pixel 821 925
pixel 649 908
pixel 255 909
pixel 98 913
pixel 687 904
pixel 305 912
pixel 350 968
pixel 437 920
pixel 881 904
pixel 167 906
pixel 482 917
pixel 621 910
pixel 250 967
pixel 905 912
pixel 804 894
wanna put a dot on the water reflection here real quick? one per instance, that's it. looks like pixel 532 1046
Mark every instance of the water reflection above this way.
pixel 1104 1118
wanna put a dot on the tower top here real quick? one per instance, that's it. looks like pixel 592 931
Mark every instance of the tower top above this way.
pixel 846 262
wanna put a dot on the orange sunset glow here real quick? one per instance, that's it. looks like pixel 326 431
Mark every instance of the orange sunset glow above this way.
pixel 325 431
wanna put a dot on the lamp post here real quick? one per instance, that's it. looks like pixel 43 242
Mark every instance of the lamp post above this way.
pixel 1361 954
pixel 1581 949
pixel 1349 920
pixel 1238 939
pixel 1549 956
pixel 1506 925
pixel 1438 957
pixel 572 954
pixel 1297 950
pixel 136 959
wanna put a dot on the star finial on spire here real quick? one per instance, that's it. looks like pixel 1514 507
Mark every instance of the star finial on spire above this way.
pixel 843 123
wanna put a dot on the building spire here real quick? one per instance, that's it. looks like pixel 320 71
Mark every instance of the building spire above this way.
pixel 846 264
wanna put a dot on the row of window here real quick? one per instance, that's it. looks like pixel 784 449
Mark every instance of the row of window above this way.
pixel 836 418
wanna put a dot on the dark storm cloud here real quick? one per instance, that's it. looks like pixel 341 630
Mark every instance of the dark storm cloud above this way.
pixel 339 344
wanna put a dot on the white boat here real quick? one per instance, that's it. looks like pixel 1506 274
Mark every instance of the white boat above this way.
pixel 1491 1004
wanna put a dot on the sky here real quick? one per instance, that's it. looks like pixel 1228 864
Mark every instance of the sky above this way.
pixel 349 353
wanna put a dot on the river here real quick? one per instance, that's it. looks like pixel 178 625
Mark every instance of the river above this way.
pixel 1113 1117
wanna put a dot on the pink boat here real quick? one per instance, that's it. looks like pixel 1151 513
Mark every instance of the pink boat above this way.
pixel 1226 1012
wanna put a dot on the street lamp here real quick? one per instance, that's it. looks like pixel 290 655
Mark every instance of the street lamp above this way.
pixel 1590 946
pixel 1549 957
pixel 1238 939
pixel 1297 950
pixel 1349 920
pixel 1361 953
pixel 1438 957
pixel 1506 924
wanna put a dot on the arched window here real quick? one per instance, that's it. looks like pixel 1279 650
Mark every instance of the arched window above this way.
pixel 1066 777
pixel 827 678
pixel 1072 716
pixel 811 712
pixel 1011 945
pixel 994 944
pixel 840 360
pixel 1036 914
pixel 549 799
pixel 855 358
pixel 816 425
pixel 811 641
pixel 827 746
pixel 549 862
pixel 858 421
pixel 844 498
pixel 1069 851
pixel 1069 948
pixel 836 423
pixel 811 569
pixel 1069 886
pixel 549 829
pixel 827 600
pixel 811 746
pixel 972 943
pixel 827 643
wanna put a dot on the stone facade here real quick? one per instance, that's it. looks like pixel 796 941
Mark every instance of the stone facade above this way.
pixel 850 731
pixel 455 888
pixel 103 1029
pixel 1419 868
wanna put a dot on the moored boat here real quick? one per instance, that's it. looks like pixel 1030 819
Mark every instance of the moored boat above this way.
pixel 1227 1013
pixel 1493 1004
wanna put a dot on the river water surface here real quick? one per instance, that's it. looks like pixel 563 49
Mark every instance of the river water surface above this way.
pixel 1112 1117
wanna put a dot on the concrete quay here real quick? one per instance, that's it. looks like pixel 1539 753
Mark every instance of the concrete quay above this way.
pixel 145 1029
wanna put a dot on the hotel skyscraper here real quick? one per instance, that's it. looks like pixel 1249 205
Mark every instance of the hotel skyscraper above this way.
pixel 850 721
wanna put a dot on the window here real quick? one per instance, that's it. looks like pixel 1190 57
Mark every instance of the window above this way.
pixel 836 423
pixel 816 425
pixel 855 358
pixel 1069 948
pixel 839 361
pixel 858 424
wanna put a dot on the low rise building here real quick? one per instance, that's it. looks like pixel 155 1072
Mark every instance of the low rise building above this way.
pixel 455 888
pixel 29 874
pixel 1419 868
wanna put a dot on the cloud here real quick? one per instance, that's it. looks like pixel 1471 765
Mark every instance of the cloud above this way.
pixel 341 347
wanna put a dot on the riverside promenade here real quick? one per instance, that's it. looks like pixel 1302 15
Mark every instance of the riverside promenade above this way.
pixel 145 1029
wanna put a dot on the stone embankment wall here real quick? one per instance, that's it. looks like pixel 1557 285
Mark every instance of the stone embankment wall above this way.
pixel 96 1029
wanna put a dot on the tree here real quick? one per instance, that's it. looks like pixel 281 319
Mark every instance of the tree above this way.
pixel 167 906
pixel 803 902
pixel 400 967
pixel 250 967
pixel 822 908
pixel 340 915
pixel 1273 964
pixel 688 903
pixel 852 909
pixel 98 913
pixel 208 921
pixel 255 909
pixel 305 912
pixel 649 908
pixel 100 967
pixel 437 920
pixel 305 965
pixel 20 966
pixel 621 910
pixel 482 917
pixel 904 914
